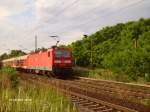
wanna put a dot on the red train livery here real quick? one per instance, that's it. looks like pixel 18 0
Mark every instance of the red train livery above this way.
pixel 57 61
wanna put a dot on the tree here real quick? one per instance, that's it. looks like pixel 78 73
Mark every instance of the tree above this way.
pixel 4 56
pixel 13 53
pixel 113 48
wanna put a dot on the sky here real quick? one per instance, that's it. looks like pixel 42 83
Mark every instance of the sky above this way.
pixel 22 20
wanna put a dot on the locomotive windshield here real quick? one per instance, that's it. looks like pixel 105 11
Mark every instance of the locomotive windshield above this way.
pixel 62 53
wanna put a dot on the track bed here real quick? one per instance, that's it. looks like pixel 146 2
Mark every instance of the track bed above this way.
pixel 95 96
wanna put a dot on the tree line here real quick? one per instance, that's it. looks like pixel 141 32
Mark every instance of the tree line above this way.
pixel 123 48
pixel 13 53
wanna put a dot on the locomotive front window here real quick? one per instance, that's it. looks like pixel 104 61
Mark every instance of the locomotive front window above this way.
pixel 62 53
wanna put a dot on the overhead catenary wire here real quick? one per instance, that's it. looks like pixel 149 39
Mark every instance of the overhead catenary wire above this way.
pixel 57 14
pixel 65 8
pixel 104 15
pixel 76 1
pixel 107 14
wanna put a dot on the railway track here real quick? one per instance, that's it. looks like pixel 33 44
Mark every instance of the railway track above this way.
pixel 81 90
pixel 132 93
pixel 134 90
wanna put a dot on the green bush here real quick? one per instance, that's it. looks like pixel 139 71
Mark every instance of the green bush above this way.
pixel 13 75
pixel 122 48
pixel 147 77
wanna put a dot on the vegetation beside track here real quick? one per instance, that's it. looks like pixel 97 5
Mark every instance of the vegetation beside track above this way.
pixel 106 74
pixel 122 48
pixel 17 95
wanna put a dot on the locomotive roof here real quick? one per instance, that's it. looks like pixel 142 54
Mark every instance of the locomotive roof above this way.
pixel 49 49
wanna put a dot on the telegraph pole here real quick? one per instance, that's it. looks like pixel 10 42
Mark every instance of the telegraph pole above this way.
pixel 35 43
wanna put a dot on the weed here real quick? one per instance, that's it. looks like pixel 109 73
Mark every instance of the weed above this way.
pixel 25 97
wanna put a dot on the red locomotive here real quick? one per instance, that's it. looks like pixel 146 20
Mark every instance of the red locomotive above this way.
pixel 57 61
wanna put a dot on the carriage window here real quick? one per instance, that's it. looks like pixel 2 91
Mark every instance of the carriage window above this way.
pixel 48 54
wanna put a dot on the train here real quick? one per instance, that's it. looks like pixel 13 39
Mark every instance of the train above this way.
pixel 55 61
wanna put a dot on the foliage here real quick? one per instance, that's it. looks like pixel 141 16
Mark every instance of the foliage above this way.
pixel 12 74
pixel 98 73
pixel 34 99
pixel 13 53
pixel 29 97
pixel 123 48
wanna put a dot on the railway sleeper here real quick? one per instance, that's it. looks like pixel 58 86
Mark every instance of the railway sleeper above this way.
pixel 108 88
pixel 85 103
pixel 99 107
pixel 94 105
pixel 107 110
pixel 80 101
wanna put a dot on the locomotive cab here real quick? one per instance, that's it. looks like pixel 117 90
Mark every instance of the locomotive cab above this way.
pixel 62 61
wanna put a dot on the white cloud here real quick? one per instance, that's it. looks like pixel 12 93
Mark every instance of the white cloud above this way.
pixel 46 8
pixel 69 37
pixel 4 12
pixel 12 7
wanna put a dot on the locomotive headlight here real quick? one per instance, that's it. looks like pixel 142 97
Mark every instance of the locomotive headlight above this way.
pixel 67 61
pixel 57 61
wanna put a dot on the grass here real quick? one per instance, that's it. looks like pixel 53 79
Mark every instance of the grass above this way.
pixel 146 102
pixel 105 74
pixel 25 97
pixel 99 74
